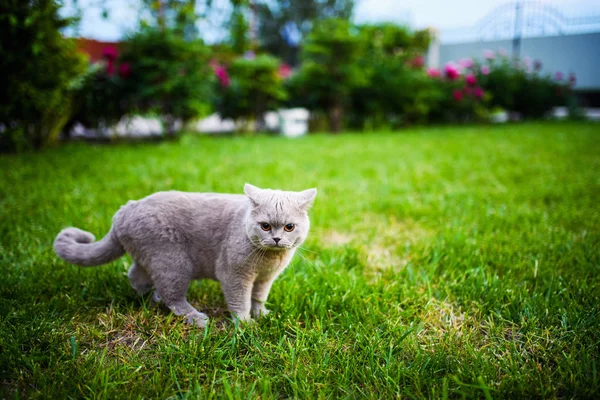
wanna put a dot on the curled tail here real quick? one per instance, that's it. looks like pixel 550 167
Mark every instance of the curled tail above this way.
pixel 78 247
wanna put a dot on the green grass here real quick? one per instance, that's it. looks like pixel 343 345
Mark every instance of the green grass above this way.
pixel 443 262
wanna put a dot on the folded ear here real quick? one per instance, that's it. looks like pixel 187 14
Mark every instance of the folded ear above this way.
pixel 306 198
pixel 253 193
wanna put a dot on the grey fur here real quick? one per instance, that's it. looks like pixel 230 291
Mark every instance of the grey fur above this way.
pixel 176 237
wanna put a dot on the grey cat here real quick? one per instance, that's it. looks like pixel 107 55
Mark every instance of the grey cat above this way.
pixel 244 242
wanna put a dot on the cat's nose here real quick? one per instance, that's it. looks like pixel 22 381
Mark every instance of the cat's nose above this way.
pixel 276 240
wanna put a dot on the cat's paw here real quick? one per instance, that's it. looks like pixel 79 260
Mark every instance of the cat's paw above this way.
pixel 199 319
pixel 259 311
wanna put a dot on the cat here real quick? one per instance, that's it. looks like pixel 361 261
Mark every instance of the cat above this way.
pixel 242 241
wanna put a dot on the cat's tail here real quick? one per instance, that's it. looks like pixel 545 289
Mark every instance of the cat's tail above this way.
pixel 78 247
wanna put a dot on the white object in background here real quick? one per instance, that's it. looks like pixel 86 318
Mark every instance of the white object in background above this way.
pixel 272 121
pixel 214 124
pixel 294 122
pixel 138 126
pixel 499 117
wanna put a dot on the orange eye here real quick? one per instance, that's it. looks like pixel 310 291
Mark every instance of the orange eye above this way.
pixel 289 227
pixel 265 226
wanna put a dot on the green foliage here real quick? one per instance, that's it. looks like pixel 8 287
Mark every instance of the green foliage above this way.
pixel 100 98
pixel 521 88
pixel 38 68
pixel 170 76
pixel 255 88
pixel 330 70
pixel 275 17
pixel 441 263
pixel 239 38
pixel 399 92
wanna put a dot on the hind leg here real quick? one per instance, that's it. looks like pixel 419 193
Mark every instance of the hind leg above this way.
pixel 139 279
pixel 171 289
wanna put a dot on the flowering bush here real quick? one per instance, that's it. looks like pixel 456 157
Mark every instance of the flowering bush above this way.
pixel 102 96
pixel 518 85
pixel 166 74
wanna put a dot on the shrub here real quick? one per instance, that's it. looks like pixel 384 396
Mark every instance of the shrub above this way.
pixel 518 85
pixel 398 91
pixel 250 87
pixel 169 76
pixel 330 70
pixel 38 69
pixel 103 94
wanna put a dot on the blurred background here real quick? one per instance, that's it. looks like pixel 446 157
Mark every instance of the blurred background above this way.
pixel 100 69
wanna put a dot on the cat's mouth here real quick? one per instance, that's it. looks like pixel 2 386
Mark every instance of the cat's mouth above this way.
pixel 276 246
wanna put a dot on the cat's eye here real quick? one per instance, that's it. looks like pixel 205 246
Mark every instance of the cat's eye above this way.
pixel 289 227
pixel 265 226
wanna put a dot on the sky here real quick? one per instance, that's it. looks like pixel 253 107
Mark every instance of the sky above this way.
pixel 451 18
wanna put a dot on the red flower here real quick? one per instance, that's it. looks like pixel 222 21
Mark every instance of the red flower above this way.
pixel 124 70
pixel 433 72
pixel 417 62
pixel 479 93
pixel 457 95
pixel 468 91
pixel 471 80
pixel 110 67
pixel 110 53
pixel 223 76
pixel 451 72
pixel 285 71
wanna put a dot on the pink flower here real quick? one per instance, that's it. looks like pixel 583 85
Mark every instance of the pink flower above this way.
pixel 433 72
pixel 537 65
pixel 485 70
pixel 502 52
pixel 110 52
pixel 572 79
pixel 559 76
pixel 451 72
pixel 468 91
pixel 466 62
pixel 479 93
pixel 471 80
pixel 488 54
pixel 124 70
pixel 417 62
pixel 457 95
pixel 223 76
pixel 285 71
pixel 110 67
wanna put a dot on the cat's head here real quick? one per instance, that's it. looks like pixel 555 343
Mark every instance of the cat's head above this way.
pixel 278 220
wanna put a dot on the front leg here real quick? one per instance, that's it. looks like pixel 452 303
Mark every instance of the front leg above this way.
pixel 238 293
pixel 260 292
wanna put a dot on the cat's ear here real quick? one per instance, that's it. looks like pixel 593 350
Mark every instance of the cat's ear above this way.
pixel 253 193
pixel 306 198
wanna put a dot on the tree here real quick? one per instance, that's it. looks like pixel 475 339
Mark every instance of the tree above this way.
pixel 330 69
pixel 283 24
pixel 38 71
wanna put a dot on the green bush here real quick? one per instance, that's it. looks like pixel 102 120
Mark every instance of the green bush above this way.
pixel 518 85
pixel 251 87
pixel 169 76
pixel 330 70
pixel 398 91
pixel 38 72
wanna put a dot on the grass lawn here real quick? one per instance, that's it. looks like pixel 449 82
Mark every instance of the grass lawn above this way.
pixel 442 262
